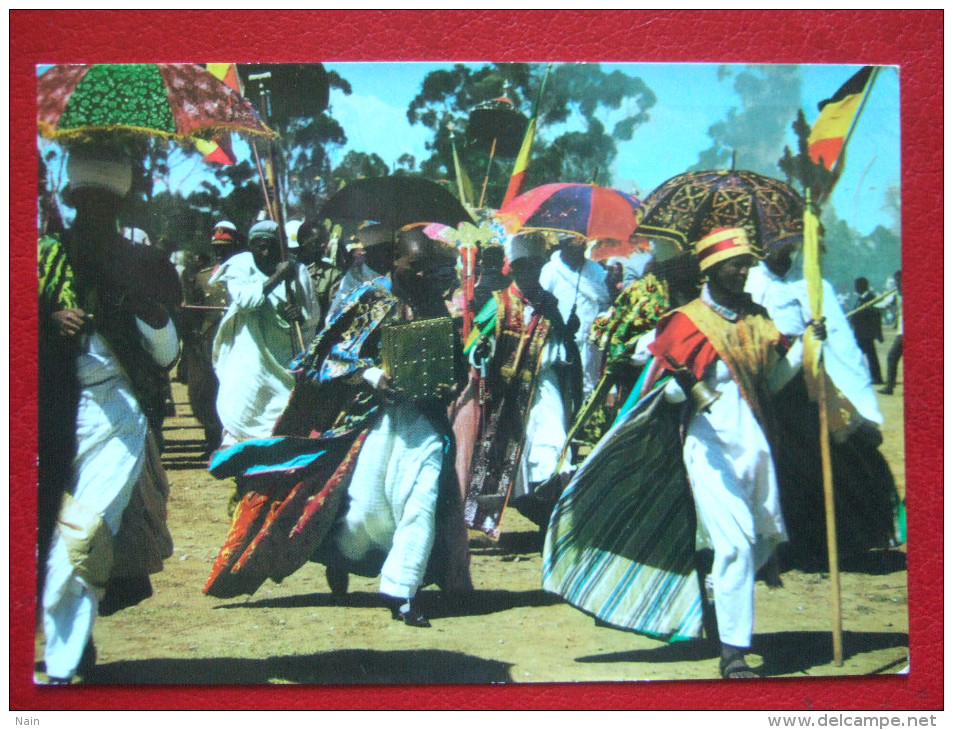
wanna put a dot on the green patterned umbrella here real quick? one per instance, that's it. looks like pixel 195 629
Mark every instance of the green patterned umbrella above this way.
pixel 171 100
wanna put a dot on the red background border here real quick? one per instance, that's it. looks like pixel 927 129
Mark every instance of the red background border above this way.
pixel 911 39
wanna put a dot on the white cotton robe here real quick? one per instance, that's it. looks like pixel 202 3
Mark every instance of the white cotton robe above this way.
pixel 586 290
pixel 787 303
pixel 737 501
pixel 735 489
pixel 254 346
pixel 546 428
pixel 110 436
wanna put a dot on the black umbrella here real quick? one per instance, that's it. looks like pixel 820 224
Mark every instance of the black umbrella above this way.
pixel 497 120
pixel 498 125
pixel 396 201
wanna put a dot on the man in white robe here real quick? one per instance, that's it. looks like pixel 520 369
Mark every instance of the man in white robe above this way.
pixel 388 525
pixel 726 451
pixel 105 307
pixel 257 337
pixel 786 300
pixel 580 287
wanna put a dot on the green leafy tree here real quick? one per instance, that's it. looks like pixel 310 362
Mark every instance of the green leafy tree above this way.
pixel 575 137
pixel 357 165
pixel 293 98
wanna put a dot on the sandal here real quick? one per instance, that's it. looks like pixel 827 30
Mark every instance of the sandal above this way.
pixel 736 669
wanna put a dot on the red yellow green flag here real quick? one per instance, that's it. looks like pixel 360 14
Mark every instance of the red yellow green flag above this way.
pixel 219 149
pixel 522 163
pixel 830 131
pixel 522 159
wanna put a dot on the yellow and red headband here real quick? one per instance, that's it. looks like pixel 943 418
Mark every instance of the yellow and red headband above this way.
pixel 721 244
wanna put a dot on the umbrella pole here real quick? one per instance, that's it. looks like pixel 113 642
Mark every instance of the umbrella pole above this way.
pixel 489 165
pixel 261 176
pixel 274 213
pixel 279 218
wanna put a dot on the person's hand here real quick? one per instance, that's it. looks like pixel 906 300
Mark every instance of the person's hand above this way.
pixel 819 329
pixel 573 323
pixel 387 390
pixel 69 322
pixel 686 379
pixel 292 313
pixel 445 392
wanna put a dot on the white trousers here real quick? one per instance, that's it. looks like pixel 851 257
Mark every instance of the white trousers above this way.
pixel 110 432
pixel 737 502
pixel 393 499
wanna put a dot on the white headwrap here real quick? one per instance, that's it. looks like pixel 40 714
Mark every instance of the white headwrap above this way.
pixel 522 245
pixel 99 168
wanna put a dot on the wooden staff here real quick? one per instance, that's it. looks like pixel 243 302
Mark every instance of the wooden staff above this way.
pixel 812 275
pixel 871 303
pixel 273 204
pixel 489 165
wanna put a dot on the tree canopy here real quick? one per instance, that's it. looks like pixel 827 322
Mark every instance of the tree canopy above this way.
pixel 583 113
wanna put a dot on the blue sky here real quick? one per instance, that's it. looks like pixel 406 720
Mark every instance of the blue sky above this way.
pixel 690 99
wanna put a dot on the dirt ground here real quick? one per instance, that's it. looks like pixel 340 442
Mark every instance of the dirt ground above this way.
pixel 509 631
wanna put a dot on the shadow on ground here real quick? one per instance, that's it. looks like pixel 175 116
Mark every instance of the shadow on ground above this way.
pixel 784 652
pixel 350 666
pixel 435 604
pixel 179 454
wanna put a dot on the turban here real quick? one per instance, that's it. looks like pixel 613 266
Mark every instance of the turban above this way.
pixel 263 229
pixel 100 168
pixel 524 245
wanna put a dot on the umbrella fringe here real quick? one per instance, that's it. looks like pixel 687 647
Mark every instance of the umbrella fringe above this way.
pixel 48 131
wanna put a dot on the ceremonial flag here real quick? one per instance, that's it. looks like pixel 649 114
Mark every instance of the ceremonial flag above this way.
pixel 522 159
pixel 522 163
pixel 815 295
pixel 219 149
pixel 464 186
pixel 837 114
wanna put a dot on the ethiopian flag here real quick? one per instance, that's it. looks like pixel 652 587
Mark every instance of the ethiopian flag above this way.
pixel 830 131
pixel 522 163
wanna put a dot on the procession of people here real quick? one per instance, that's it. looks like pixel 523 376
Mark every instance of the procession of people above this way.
pixel 378 404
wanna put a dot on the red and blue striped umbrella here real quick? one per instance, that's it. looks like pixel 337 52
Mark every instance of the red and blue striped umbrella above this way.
pixel 584 210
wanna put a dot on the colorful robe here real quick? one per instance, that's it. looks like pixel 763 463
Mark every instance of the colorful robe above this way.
pixel 621 543
pixel 297 481
pixel 528 396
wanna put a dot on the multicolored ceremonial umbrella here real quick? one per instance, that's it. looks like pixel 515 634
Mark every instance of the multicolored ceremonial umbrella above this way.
pixel 465 234
pixel 170 100
pixel 691 205
pixel 584 210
